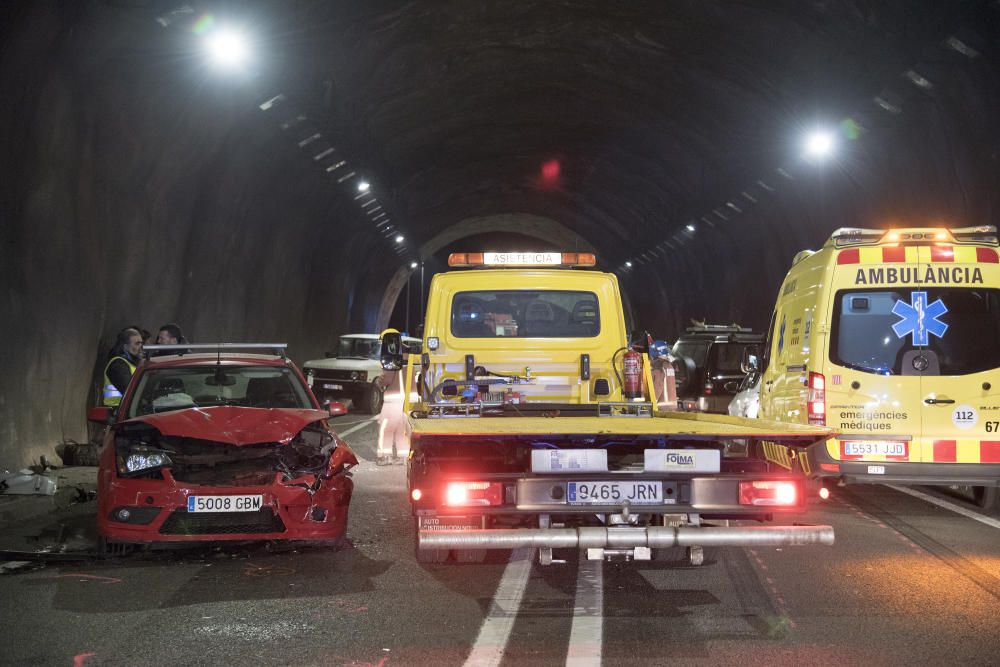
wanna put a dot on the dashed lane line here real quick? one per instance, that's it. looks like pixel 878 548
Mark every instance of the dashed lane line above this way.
pixel 495 632
pixel 989 521
pixel 587 631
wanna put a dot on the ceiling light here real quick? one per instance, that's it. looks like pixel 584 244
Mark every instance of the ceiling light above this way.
pixel 628 265
pixel 228 49
pixel 690 228
pixel 399 238
pixel 363 186
pixel 819 144
pixel 413 265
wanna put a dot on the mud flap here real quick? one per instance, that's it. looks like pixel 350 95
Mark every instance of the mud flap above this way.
pixel 792 459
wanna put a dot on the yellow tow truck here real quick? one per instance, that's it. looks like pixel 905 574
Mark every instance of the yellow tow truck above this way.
pixel 533 426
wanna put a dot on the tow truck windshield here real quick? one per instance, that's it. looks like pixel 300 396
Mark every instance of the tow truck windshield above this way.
pixel 161 390
pixel 525 314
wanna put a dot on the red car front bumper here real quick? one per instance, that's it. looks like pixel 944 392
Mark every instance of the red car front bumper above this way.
pixel 156 510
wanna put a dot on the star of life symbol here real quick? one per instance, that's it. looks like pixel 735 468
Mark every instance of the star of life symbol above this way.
pixel 919 318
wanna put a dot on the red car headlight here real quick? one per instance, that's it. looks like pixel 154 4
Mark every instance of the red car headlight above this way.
pixel 137 460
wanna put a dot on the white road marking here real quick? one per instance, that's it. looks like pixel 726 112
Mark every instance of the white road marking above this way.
pixel 344 434
pixel 495 631
pixel 586 633
pixel 989 521
pixel 350 423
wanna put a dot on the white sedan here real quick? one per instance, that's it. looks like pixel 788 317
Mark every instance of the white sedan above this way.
pixel 746 402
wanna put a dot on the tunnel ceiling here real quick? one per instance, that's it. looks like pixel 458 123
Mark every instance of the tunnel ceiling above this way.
pixel 624 121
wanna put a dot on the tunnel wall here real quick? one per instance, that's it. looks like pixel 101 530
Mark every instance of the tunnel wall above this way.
pixel 143 196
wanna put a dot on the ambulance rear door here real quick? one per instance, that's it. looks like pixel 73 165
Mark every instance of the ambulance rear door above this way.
pixel 955 319
pixel 870 397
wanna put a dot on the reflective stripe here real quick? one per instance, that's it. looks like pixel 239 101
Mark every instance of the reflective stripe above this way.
pixel 112 397
pixel 926 450
pixel 989 451
pixel 916 254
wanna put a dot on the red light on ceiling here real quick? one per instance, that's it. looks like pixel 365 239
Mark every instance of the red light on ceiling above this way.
pixel 551 171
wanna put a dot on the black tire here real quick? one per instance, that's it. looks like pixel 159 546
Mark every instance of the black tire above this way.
pixel 427 555
pixel 372 399
pixel 986 496
pixel 81 454
pixel 684 374
pixel 432 555
pixel 668 555
pixel 469 555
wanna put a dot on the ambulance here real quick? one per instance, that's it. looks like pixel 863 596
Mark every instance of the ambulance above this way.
pixel 892 339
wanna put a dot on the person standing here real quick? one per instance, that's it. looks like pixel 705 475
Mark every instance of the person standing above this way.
pixel 170 334
pixel 121 365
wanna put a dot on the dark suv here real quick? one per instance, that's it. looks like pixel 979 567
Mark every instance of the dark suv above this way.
pixel 707 364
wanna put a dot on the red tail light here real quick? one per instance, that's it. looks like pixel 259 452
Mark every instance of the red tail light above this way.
pixel 459 494
pixel 816 401
pixel 771 493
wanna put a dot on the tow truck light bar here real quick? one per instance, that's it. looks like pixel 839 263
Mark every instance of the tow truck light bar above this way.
pixel 565 259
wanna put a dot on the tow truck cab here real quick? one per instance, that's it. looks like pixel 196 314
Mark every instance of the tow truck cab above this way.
pixel 534 426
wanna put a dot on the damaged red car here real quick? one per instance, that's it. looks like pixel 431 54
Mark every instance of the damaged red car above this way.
pixel 222 445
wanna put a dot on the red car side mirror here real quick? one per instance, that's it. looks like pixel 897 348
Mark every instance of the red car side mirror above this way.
pixel 336 408
pixel 100 415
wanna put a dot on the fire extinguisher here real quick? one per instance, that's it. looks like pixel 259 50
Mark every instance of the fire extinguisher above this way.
pixel 632 371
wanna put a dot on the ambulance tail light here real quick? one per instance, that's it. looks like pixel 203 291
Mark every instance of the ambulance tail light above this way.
pixel 816 400
pixel 708 388
pixel 465 494
pixel 770 493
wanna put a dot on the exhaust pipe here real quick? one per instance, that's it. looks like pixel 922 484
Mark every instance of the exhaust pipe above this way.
pixel 653 537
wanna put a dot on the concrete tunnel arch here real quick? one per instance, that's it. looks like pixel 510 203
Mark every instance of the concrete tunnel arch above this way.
pixel 539 227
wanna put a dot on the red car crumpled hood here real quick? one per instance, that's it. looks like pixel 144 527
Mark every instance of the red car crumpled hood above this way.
pixel 233 424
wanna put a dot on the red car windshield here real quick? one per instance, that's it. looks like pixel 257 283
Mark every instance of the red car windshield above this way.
pixel 176 388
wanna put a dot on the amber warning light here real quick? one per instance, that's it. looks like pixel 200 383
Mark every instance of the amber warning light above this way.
pixel 495 259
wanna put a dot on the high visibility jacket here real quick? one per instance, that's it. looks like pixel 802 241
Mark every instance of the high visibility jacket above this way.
pixel 113 397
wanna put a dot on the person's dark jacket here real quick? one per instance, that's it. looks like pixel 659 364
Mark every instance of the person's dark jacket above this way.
pixel 118 371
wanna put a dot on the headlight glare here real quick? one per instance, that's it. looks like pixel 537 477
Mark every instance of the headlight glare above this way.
pixel 142 460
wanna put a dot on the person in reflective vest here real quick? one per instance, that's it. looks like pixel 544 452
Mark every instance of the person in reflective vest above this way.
pixel 121 365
